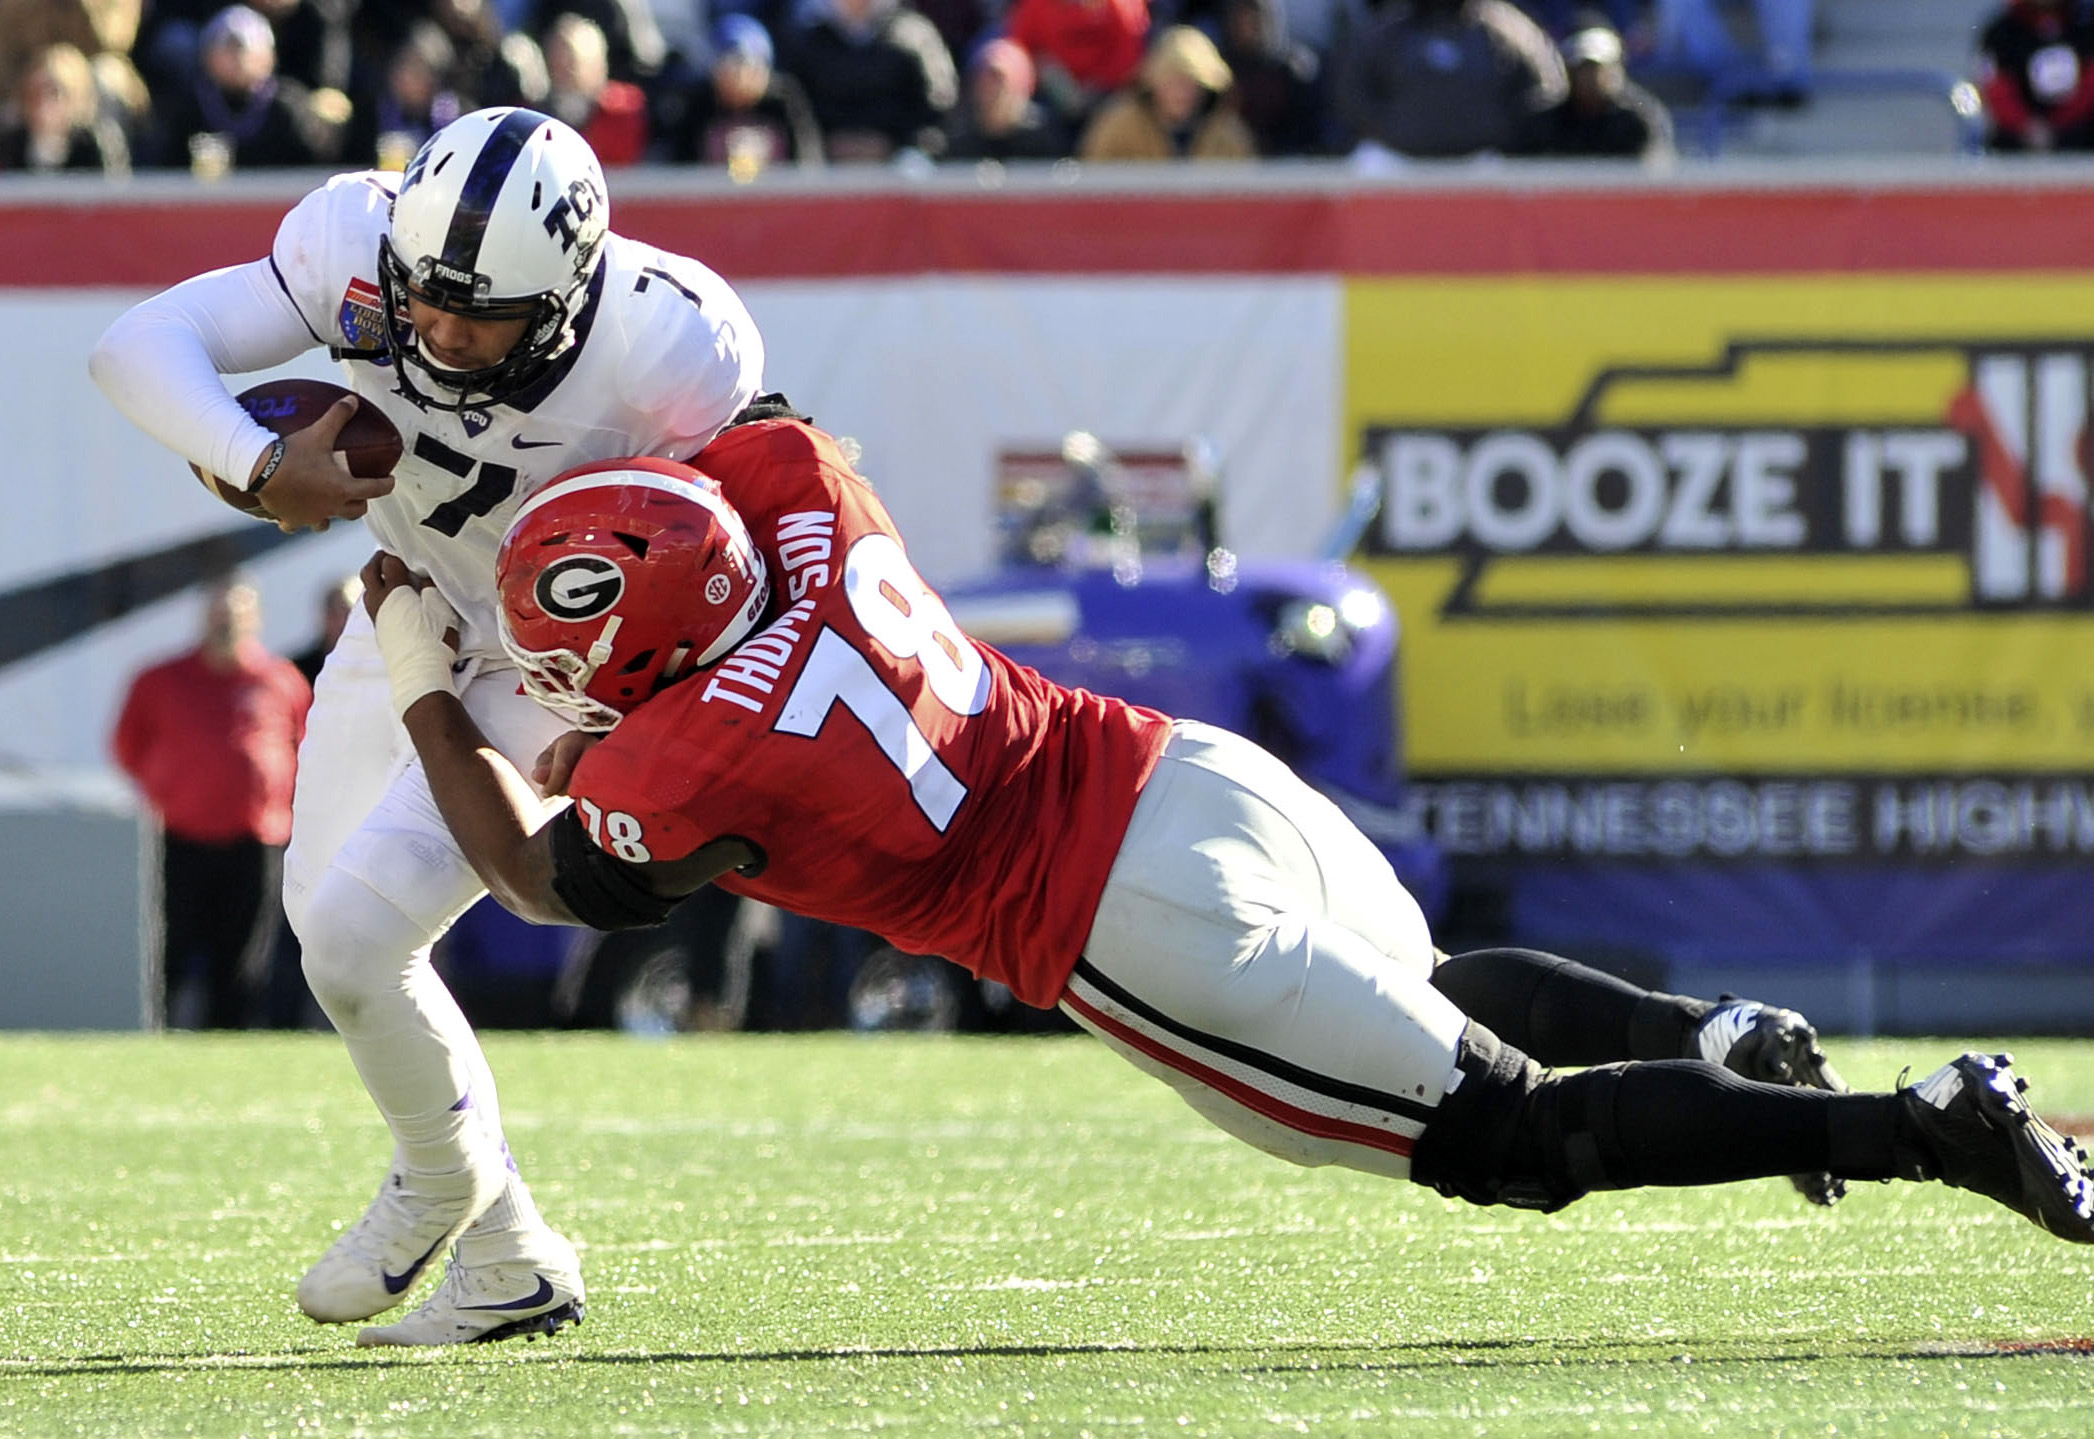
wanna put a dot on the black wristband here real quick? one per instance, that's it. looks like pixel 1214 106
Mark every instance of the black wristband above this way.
pixel 276 457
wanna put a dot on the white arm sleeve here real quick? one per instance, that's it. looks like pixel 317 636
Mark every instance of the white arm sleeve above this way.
pixel 163 360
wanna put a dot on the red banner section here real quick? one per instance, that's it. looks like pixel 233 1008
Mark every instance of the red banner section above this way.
pixel 156 235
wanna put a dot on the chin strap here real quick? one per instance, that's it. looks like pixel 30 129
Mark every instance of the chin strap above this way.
pixel 600 652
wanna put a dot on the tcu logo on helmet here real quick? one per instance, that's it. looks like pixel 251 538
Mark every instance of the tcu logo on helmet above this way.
pixel 579 203
pixel 580 587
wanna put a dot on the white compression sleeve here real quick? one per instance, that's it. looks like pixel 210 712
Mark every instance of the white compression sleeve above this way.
pixel 162 363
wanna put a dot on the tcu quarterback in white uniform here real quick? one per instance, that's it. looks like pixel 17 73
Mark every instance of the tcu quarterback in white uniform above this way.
pixel 480 301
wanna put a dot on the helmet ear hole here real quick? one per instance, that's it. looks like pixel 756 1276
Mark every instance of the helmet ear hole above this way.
pixel 637 663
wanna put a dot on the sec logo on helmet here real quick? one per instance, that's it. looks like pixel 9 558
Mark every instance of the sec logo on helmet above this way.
pixel 580 587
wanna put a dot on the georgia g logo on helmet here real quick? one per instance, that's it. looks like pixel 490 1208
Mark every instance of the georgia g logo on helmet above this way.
pixel 580 587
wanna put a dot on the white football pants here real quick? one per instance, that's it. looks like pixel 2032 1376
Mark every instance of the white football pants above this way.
pixel 1254 951
pixel 372 877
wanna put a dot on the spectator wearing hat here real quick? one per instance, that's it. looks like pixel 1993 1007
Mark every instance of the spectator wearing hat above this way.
pixel 879 76
pixel 1084 49
pixel 1178 110
pixel 2036 73
pixel 743 112
pixel 999 119
pixel 237 112
pixel 1606 114
pixel 57 122
pixel 1446 78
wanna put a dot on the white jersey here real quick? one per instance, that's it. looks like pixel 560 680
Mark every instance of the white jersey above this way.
pixel 665 356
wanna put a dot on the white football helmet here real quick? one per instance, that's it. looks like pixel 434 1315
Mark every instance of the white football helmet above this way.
pixel 500 215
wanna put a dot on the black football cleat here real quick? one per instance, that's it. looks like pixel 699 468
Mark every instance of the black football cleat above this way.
pixel 1773 1046
pixel 1968 1125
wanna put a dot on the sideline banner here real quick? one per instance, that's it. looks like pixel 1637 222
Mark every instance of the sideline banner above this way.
pixel 1746 616
pixel 1737 522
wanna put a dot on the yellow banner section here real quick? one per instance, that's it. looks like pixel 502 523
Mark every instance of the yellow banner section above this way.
pixel 1769 525
pixel 1521 350
pixel 1486 694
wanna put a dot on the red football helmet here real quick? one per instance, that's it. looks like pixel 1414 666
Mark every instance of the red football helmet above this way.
pixel 619 577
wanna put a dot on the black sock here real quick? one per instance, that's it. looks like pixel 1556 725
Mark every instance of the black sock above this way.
pixel 1686 1121
pixel 1561 1012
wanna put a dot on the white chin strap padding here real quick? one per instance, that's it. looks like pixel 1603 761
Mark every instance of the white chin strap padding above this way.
pixel 601 650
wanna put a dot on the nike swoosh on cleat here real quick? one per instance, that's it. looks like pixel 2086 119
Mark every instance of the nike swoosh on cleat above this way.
pixel 518 442
pixel 395 1283
pixel 543 1293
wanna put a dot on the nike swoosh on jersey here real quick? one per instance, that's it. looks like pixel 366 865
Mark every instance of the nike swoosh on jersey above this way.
pixel 395 1283
pixel 543 1293
pixel 518 442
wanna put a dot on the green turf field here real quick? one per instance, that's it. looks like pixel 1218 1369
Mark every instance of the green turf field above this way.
pixel 838 1234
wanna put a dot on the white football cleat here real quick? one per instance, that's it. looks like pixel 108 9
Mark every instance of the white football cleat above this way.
pixel 382 1256
pixel 486 1302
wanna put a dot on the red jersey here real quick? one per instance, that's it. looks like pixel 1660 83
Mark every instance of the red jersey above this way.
pixel 895 775
pixel 215 751
pixel 1099 42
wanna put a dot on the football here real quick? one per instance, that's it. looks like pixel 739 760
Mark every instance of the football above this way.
pixel 369 443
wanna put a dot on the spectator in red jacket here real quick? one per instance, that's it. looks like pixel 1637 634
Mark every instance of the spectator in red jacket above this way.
pixel 1084 49
pixel 611 114
pixel 211 739
pixel 2036 76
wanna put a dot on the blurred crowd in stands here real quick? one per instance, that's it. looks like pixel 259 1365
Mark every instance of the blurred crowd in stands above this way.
pixel 748 84
pixel 2036 76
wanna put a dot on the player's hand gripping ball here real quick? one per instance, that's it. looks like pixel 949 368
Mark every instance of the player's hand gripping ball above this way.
pixel 368 443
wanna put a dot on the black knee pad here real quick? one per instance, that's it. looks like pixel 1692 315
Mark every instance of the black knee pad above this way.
pixel 1512 1134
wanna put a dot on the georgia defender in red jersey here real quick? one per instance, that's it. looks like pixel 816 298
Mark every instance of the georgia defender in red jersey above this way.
pixel 792 713
pixel 967 806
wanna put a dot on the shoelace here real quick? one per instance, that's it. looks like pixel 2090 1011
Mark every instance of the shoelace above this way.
pixel 389 1221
